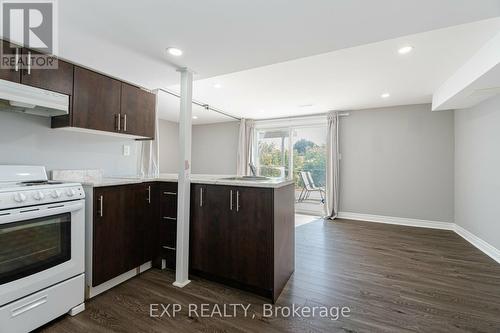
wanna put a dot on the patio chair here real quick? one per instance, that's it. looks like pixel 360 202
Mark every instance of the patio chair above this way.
pixel 320 189
pixel 309 187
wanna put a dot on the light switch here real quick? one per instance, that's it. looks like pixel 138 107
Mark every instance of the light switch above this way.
pixel 126 150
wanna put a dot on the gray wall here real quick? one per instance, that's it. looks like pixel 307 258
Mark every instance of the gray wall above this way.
pixel 214 148
pixel 26 139
pixel 398 161
pixel 169 146
pixel 477 170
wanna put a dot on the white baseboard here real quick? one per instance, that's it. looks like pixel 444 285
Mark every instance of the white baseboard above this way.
pixel 94 291
pixel 397 220
pixel 480 244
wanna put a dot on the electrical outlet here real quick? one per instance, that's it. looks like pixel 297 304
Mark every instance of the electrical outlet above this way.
pixel 126 150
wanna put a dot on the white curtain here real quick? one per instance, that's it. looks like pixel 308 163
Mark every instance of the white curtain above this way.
pixel 150 152
pixel 332 166
pixel 245 146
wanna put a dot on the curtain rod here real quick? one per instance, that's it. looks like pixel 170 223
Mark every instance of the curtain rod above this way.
pixel 203 105
pixel 341 114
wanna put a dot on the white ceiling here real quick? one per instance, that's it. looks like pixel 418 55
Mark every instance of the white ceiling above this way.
pixel 168 109
pixel 352 78
pixel 127 38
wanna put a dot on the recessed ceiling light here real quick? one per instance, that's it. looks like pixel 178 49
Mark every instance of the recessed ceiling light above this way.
pixel 174 51
pixel 217 85
pixel 385 95
pixel 195 117
pixel 405 49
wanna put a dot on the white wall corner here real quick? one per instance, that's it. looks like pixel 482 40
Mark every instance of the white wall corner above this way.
pixel 480 244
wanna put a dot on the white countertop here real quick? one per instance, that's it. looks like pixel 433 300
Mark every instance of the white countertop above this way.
pixel 195 178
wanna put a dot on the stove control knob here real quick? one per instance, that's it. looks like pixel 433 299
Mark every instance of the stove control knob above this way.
pixel 19 197
pixel 38 195
pixel 70 192
pixel 56 194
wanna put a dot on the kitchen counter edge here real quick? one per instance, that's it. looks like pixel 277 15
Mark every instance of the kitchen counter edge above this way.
pixel 105 182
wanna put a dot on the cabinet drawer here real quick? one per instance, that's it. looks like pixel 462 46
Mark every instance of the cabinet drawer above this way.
pixel 168 233
pixel 37 309
pixel 168 201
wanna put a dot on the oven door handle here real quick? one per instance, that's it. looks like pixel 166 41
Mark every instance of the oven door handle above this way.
pixel 29 213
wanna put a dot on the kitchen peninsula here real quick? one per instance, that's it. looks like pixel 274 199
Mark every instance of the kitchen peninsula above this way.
pixel 241 231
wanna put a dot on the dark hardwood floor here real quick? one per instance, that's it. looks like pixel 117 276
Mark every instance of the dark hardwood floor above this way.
pixel 393 279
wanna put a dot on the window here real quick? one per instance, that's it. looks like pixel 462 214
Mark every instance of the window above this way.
pixel 273 153
pixel 286 149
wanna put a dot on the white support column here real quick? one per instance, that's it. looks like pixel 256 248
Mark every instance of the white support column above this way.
pixel 184 184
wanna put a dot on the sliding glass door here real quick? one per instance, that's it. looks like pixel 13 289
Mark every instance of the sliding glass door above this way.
pixel 295 152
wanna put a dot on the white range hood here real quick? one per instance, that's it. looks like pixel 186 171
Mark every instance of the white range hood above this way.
pixel 22 98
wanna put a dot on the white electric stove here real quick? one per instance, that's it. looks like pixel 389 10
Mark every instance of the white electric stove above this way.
pixel 42 246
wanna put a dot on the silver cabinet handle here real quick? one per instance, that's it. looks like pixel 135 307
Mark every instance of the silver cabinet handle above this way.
pixel 16 66
pixel 201 196
pixel 29 63
pixel 118 122
pixel 231 200
pixel 101 205
pixel 169 193
pixel 169 218
pixel 237 201
pixel 125 122
pixel 149 194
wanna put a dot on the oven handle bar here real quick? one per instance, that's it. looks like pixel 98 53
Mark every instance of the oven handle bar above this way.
pixel 42 211
pixel 30 306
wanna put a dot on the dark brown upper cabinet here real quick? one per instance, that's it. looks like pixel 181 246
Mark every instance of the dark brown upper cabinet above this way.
pixel 8 54
pixel 137 111
pixel 105 104
pixel 96 101
pixel 59 79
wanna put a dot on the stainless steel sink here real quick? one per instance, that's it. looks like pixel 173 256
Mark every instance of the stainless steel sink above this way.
pixel 248 178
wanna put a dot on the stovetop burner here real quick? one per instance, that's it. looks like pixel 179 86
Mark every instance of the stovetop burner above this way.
pixel 39 182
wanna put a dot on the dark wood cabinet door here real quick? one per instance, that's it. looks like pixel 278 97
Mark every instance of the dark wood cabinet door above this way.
pixel 59 80
pixel 109 234
pixel 147 222
pixel 217 230
pixel 198 228
pixel 10 74
pixel 137 111
pixel 96 101
pixel 250 244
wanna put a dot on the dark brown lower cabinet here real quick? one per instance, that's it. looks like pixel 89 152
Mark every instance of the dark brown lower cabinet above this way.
pixel 147 222
pixel 240 236
pixel 125 229
pixel 243 236
pixel 209 230
pixel 113 242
